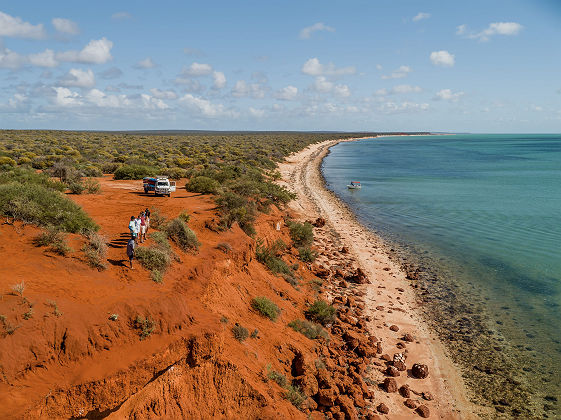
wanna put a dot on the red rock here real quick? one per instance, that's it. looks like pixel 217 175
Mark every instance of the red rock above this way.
pixel 390 385
pixel 405 391
pixel 394 328
pixel 383 408
pixel 400 345
pixel 423 411
pixel 392 371
pixel 372 340
pixel 309 404
pixel 324 379
pixel 409 403
pixel 386 357
pixel 372 416
pixel 327 397
pixel 408 337
pixel 320 222
pixel 308 384
pixel 427 396
pixel 420 371
pixel 344 250
pixel 399 365
pixel 339 415
pixel 379 347
pixel 347 407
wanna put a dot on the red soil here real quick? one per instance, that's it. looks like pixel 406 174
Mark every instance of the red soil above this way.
pixel 82 364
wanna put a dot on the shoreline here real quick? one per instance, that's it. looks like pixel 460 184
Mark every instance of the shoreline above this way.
pixel 390 299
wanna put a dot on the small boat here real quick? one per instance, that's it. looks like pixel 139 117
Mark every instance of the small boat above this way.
pixel 354 185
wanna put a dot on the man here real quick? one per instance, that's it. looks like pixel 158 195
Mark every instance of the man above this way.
pixel 132 228
pixel 137 227
pixel 130 250
pixel 142 227
pixel 147 217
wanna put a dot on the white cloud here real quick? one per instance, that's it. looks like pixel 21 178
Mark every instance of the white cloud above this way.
pixel 43 59
pixel 253 90
pixel 403 107
pixel 66 26
pixel 313 67
pixel 379 67
pixel 307 32
pixel 148 102
pixel 495 28
pixel 381 92
pixel 79 78
pixel 147 63
pixel 448 95
pixel 98 51
pixel 111 73
pixel 287 93
pixel 198 69
pixel 258 113
pixel 219 80
pixel 421 16
pixel 100 99
pixel 342 91
pixel 204 107
pixel 398 73
pixel 17 103
pixel 121 16
pixel 442 58
pixel 10 59
pixel 400 89
pixel 163 94
pixel 322 85
pixel 66 97
pixel 15 27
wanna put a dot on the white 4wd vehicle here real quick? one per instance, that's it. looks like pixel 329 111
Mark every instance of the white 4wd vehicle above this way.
pixel 160 185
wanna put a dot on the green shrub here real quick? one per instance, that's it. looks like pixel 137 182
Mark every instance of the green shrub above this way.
pixel 157 219
pixel 203 185
pixel 152 258
pixel 320 311
pixel 91 186
pixel 174 173
pixel 91 171
pixel 95 250
pixel 295 395
pixel 161 240
pixel 156 276
pixel 240 333
pixel 235 208
pixel 306 254
pixel 134 172
pixel 309 329
pixel 184 216
pixel 76 187
pixel 268 257
pixel 302 234
pixel 224 247
pixel 145 325
pixel 37 204
pixel 5 160
pixel 265 307
pixel 29 176
pixel 279 378
pixel 184 237
pixel 54 240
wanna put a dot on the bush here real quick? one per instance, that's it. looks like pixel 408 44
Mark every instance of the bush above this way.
pixel 295 395
pixel 184 216
pixel 91 186
pixel 35 203
pixel 225 247
pixel 157 276
pixel 184 237
pixel 161 240
pixel 145 325
pixel 279 378
pixel 76 187
pixel 265 307
pixel 54 240
pixel 134 172
pixel 240 333
pixel 174 173
pixel 309 329
pixel 152 258
pixel 203 185
pixel 96 250
pixel 306 254
pixel 302 234
pixel 157 219
pixel 268 257
pixel 320 311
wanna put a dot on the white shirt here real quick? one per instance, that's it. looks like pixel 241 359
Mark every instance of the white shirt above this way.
pixel 137 225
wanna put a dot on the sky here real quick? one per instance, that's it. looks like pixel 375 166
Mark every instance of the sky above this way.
pixel 377 65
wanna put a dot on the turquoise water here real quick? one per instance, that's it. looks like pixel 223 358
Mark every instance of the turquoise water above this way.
pixel 484 212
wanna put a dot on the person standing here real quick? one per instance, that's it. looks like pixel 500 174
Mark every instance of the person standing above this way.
pixel 132 228
pixel 142 227
pixel 137 227
pixel 131 245
pixel 147 217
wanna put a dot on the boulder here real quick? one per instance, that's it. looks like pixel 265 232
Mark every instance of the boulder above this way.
pixel 408 337
pixel 420 371
pixel 327 397
pixel 320 222
pixel 423 411
pixel 394 328
pixel 347 407
pixel 383 408
pixel 400 366
pixel 409 403
pixel 405 391
pixel 390 385
pixel 308 384
pixel 427 396
pixel 392 371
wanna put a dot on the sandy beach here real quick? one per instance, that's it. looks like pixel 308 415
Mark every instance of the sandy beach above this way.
pixel 389 299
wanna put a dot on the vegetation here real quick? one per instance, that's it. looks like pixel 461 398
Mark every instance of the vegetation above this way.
pixel 34 198
pixel 320 311
pixel 279 378
pixel 225 247
pixel 310 329
pixel 157 276
pixel 203 184
pixel 96 250
pixel 145 325
pixel 184 237
pixel 54 305
pixel 114 317
pixel 134 172
pixel 240 332
pixel 269 256
pixel 157 219
pixel 306 254
pixel 152 258
pixel 302 234
pixel 54 240
pixel 295 395
pixel 265 307
pixel 18 288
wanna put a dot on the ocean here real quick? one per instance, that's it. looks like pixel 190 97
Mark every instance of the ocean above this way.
pixel 480 217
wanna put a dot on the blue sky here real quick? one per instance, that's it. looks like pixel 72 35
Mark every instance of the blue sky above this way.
pixel 478 66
